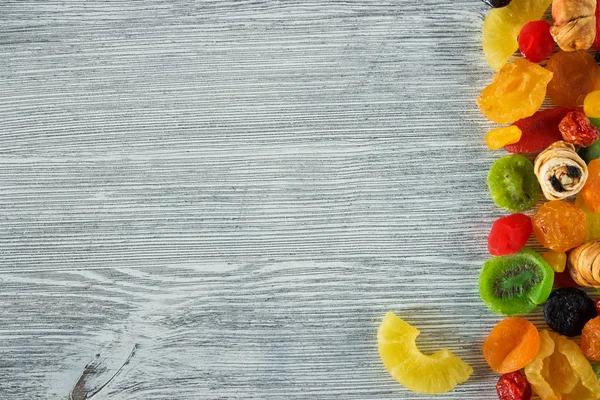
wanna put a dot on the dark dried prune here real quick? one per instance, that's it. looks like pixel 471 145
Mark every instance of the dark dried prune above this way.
pixel 567 311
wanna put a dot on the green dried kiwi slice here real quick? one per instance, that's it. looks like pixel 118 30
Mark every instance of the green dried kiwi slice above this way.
pixel 513 184
pixel 515 284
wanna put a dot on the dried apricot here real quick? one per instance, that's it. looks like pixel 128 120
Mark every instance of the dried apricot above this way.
pixel 590 339
pixel 575 74
pixel 559 226
pixel 512 344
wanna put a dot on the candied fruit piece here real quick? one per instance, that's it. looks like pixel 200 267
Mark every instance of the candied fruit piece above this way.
pixel 502 25
pixel 539 130
pixel 590 339
pixel 437 373
pixel 513 386
pixel 575 74
pixel 513 184
pixel 535 41
pixel 556 260
pixel 592 220
pixel 561 371
pixel 511 345
pixel 591 104
pixel 559 226
pixel 516 92
pixel 591 189
pixel 509 234
pixel 500 137
pixel 515 284
pixel 577 129
pixel 567 310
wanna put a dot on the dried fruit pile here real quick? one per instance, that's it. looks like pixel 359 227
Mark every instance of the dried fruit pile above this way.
pixel 553 173
pixel 563 144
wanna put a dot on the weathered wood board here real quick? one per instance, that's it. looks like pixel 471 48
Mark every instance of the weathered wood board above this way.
pixel 231 194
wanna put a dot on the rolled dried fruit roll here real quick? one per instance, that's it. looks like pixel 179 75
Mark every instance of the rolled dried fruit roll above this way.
pixel 560 171
pixel 584 264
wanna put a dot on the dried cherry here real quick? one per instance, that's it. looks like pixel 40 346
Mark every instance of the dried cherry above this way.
pixel 535 41
pixel 577 129
pixel 509 234
pixel 513 386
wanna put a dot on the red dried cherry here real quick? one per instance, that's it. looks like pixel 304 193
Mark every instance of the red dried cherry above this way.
pixel 540 130
pixel 509 234
pixel 513 386
pixel 597 304
pixel 535 41
pixel 577 129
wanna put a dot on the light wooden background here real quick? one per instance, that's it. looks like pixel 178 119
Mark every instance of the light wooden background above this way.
pixel 221 199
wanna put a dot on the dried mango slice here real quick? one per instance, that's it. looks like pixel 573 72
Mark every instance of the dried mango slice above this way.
pixel 560 370
pixel 516 92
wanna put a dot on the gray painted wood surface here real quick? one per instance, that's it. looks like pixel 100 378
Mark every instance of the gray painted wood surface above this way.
pixel 221 199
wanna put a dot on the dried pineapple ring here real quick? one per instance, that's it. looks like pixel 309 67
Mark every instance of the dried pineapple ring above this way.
pixel 437 373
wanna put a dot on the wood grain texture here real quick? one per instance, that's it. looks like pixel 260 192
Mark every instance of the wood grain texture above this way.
pixel 231 194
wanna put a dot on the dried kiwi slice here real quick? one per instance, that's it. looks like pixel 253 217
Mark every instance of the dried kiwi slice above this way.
pixel 513 184
pixel 515 284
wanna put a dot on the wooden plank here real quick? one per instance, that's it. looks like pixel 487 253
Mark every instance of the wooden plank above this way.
pixel 238 191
